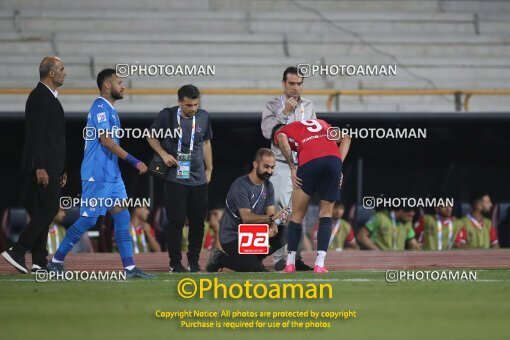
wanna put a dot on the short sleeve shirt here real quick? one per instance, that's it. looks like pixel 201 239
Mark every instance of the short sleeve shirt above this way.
pixel 243 193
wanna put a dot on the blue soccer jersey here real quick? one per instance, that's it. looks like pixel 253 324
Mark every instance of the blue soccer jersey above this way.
pixel 100 164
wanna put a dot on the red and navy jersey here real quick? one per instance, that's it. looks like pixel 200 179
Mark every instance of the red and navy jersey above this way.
pixel 309 138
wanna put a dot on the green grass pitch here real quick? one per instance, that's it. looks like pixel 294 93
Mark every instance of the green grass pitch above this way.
pixel 125 310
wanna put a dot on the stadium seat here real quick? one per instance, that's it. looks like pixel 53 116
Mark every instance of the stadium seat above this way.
pixel 158 223
pixel 13 222
pixel 72 215
pixel 105 226
pixel 361 216
pixel 501 221
pixel 465 207
pixel 429 41
pixel 500 212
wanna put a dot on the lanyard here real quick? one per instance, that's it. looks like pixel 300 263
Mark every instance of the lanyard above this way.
pixel 282 99
pixel 53 230
pixel 134 232
pixel 440 233
pixel 335 231
pixel 473 220
pixel 179 144
pixel 253 207
pixel 394 221
pixel 135 243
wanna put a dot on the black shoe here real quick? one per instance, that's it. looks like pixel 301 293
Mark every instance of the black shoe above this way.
pixel 280 265
pixel 15 260
pixel 37 268
pixel 213 263
pixel 56 267
pixel 178 268
pixel 194 267
pixel 137 273
pixel 302 267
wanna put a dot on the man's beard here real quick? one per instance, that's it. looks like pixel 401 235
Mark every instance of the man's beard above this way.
pixel 263 175
pixel 117 95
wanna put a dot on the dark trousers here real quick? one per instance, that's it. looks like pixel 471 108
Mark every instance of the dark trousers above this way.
pixel 183 201
pixel 249 262
pixel 42 207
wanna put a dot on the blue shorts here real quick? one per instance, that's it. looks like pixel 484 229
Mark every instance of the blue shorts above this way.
pixel 321 176
pixel 104 192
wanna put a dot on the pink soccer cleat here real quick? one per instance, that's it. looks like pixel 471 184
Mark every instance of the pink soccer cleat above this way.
pixel 290 268
pixel 319 269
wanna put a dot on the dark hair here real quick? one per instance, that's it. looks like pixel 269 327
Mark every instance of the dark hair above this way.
pixel 105 74
pixel 274 130
pixel 188 91
pixel 291 70
pixel 477 196
pixel 263 152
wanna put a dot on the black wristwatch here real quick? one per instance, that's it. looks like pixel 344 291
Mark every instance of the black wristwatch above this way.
pixel 271 218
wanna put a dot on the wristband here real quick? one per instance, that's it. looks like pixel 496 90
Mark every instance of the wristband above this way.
pixel 132 160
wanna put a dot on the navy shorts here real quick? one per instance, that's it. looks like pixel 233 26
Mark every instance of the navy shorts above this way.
pixel 321 176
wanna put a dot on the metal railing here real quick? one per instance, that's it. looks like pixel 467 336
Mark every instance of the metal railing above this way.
pixel 461 97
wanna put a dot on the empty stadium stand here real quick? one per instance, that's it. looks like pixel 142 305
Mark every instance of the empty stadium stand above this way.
pixel 435 44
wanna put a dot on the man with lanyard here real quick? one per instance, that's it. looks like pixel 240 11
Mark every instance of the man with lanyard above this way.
pixel 389 230
pixel 440 231
pixel 101 177
pixel 189 157
pixel 144 238
pixel 342 235
pixel 250 199
pixel 285 109
pixel 476 227
pixel 56 232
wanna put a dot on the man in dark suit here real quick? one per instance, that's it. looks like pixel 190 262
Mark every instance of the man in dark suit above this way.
pixel 43 161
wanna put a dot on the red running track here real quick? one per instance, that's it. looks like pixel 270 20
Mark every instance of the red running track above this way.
pixel 346 260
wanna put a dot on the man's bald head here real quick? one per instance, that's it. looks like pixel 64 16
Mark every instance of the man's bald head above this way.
pixel 48 64
pixel 51 70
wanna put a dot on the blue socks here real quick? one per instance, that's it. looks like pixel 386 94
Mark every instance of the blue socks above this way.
pixel 324 233
pixel 123 238
pixel 293 236
pixel 73 235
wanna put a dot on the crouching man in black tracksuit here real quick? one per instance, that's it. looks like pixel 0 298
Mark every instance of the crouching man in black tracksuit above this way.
pixel 250 200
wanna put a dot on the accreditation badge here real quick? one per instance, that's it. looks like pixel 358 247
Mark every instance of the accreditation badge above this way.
pixel 184 165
